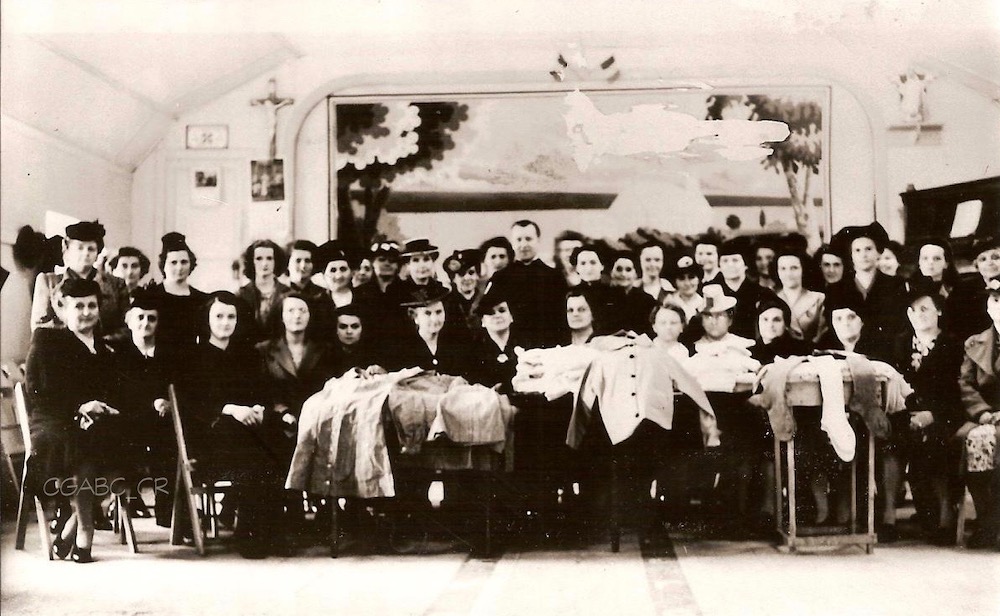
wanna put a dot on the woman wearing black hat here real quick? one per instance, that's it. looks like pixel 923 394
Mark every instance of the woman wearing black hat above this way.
pixel 588 263
pixel 231 426
pixel 83 242
pixel 629 304
pixel 493 359
pixel 967 306
pixel 69 389
pixel 263 262
pixel 774 337
pixel 144 371
pixel 337 265
pixel 462 268
pixel 180 303
pixel 733 266
pixel 430 345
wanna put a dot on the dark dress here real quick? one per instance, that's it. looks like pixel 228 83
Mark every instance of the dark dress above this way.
pixel 630 309
pixel 180 317
pixel 748 296
pixel 492 365
pixel 458 311
pixel 453 354
pixel 61 375
pixel 783 346
pixel 148 439
pixel 266 312
pixel 883 310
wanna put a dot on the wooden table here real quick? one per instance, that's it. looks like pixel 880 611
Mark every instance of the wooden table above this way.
pixel 804 390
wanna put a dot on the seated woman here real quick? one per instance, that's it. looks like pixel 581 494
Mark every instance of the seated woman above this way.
pixel 980 388
pixel 668 321
pixel 493 359
pixel 774 337
pixel 230 423
pixel 263 262
pixel 686 275
pixel 806 321
pixel 296 365
pixel 180 303
pixel 352 347
pixel 629 305
pixel 69 385
pixel 430 346
pixel 145 369
pixel 929 359
pixel 462 268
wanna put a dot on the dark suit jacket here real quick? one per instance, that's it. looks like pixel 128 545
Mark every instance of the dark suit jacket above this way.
pixel 453 355
pixel 536 295
pixel 263 329
pixel 290 386
pixel 935 383
pixel 745 313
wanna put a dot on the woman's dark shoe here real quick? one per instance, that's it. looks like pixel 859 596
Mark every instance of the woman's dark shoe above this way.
pixel 82 555
pixel 58 521
pixel 61 548
pixel 982 539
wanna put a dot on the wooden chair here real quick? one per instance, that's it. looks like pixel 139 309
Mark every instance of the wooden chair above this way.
pixel 26 493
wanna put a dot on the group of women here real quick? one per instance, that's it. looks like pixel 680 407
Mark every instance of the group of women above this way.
pixel 106 348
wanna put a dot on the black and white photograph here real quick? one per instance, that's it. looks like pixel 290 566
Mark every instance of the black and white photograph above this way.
pixel 500 308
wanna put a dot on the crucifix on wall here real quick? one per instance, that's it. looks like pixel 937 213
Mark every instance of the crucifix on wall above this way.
pixel 272 104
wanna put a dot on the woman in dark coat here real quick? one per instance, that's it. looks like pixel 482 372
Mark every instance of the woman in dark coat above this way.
pixel 263 262
pixel 630 305
pixel 180 303
pixel 431 346
pixel 494 361
pixel 929 359
pixel 230 422
pixel 74 436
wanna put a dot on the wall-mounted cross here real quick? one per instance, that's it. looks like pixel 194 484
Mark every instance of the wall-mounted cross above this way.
pixel 272 103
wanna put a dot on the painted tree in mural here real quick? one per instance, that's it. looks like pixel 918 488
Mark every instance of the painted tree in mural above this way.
pixel 375 144
pixel 797 158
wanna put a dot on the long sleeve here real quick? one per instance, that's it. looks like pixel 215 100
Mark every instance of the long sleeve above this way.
pixel 972 400
pixel 42 314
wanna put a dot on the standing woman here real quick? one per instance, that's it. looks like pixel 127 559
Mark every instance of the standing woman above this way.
pixel 630 306
pixel 687 278
pixel 830 265
pixel 888 261
pixel 130 266
pixel 180 303
pixel 69 384
pixel 301 258
pixel 83 242
pixel 263 262
pixel 807 321
pixel 654 284
pixel 231 424
pixel 497 254
pixel 337 264
pixel 462 268
pixel 936 268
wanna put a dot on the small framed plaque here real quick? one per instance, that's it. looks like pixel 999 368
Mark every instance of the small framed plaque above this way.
pixel 207 137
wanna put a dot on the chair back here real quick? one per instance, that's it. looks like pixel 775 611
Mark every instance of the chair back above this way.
pixel 175 416
pixel 21 411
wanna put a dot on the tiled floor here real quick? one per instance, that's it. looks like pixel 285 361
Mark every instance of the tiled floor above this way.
pixel 690 577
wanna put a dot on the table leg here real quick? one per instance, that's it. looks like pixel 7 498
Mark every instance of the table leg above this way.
pixel 615 504
pixel 778 484
pixel 871 486
pixel 790 453
pixel 334 527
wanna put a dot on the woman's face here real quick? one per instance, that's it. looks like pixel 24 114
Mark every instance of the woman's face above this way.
pixel 790 272
pixel 651 262
pixel 496 258
pixel 993 308
pixel 771 324
pixel 420 268
pixel 498 319
pixel 222 320
pixel 707 256
pixel 578 313
pixel 81 314
pixel 348 329
pixel 931 261
pixel 467 281
pixel 589 266
pixel 177 266
pixel 668 325
pixel 832 267
pixel 364 273
pixel 142 322
pixel 300 266
pixel 888 263
pixel 338 275
pixel 80 256
pixel 762 261
pixel 623 273
pixel 429 319
pixel 716 324
pixel 129 269
pixel 263 261
pixel 385 267
pixel 864 254
pixel 687 284
pixel 733 267
pixel 988 263
pixel 923 315
pixel 295 315
pixel 846 324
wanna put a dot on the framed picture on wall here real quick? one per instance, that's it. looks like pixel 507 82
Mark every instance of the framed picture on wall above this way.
pixel 610 164
pixel 207 137
pixel 206 186
pixel 267 180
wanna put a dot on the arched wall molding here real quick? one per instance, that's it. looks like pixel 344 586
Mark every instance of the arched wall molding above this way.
pixel 504 83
